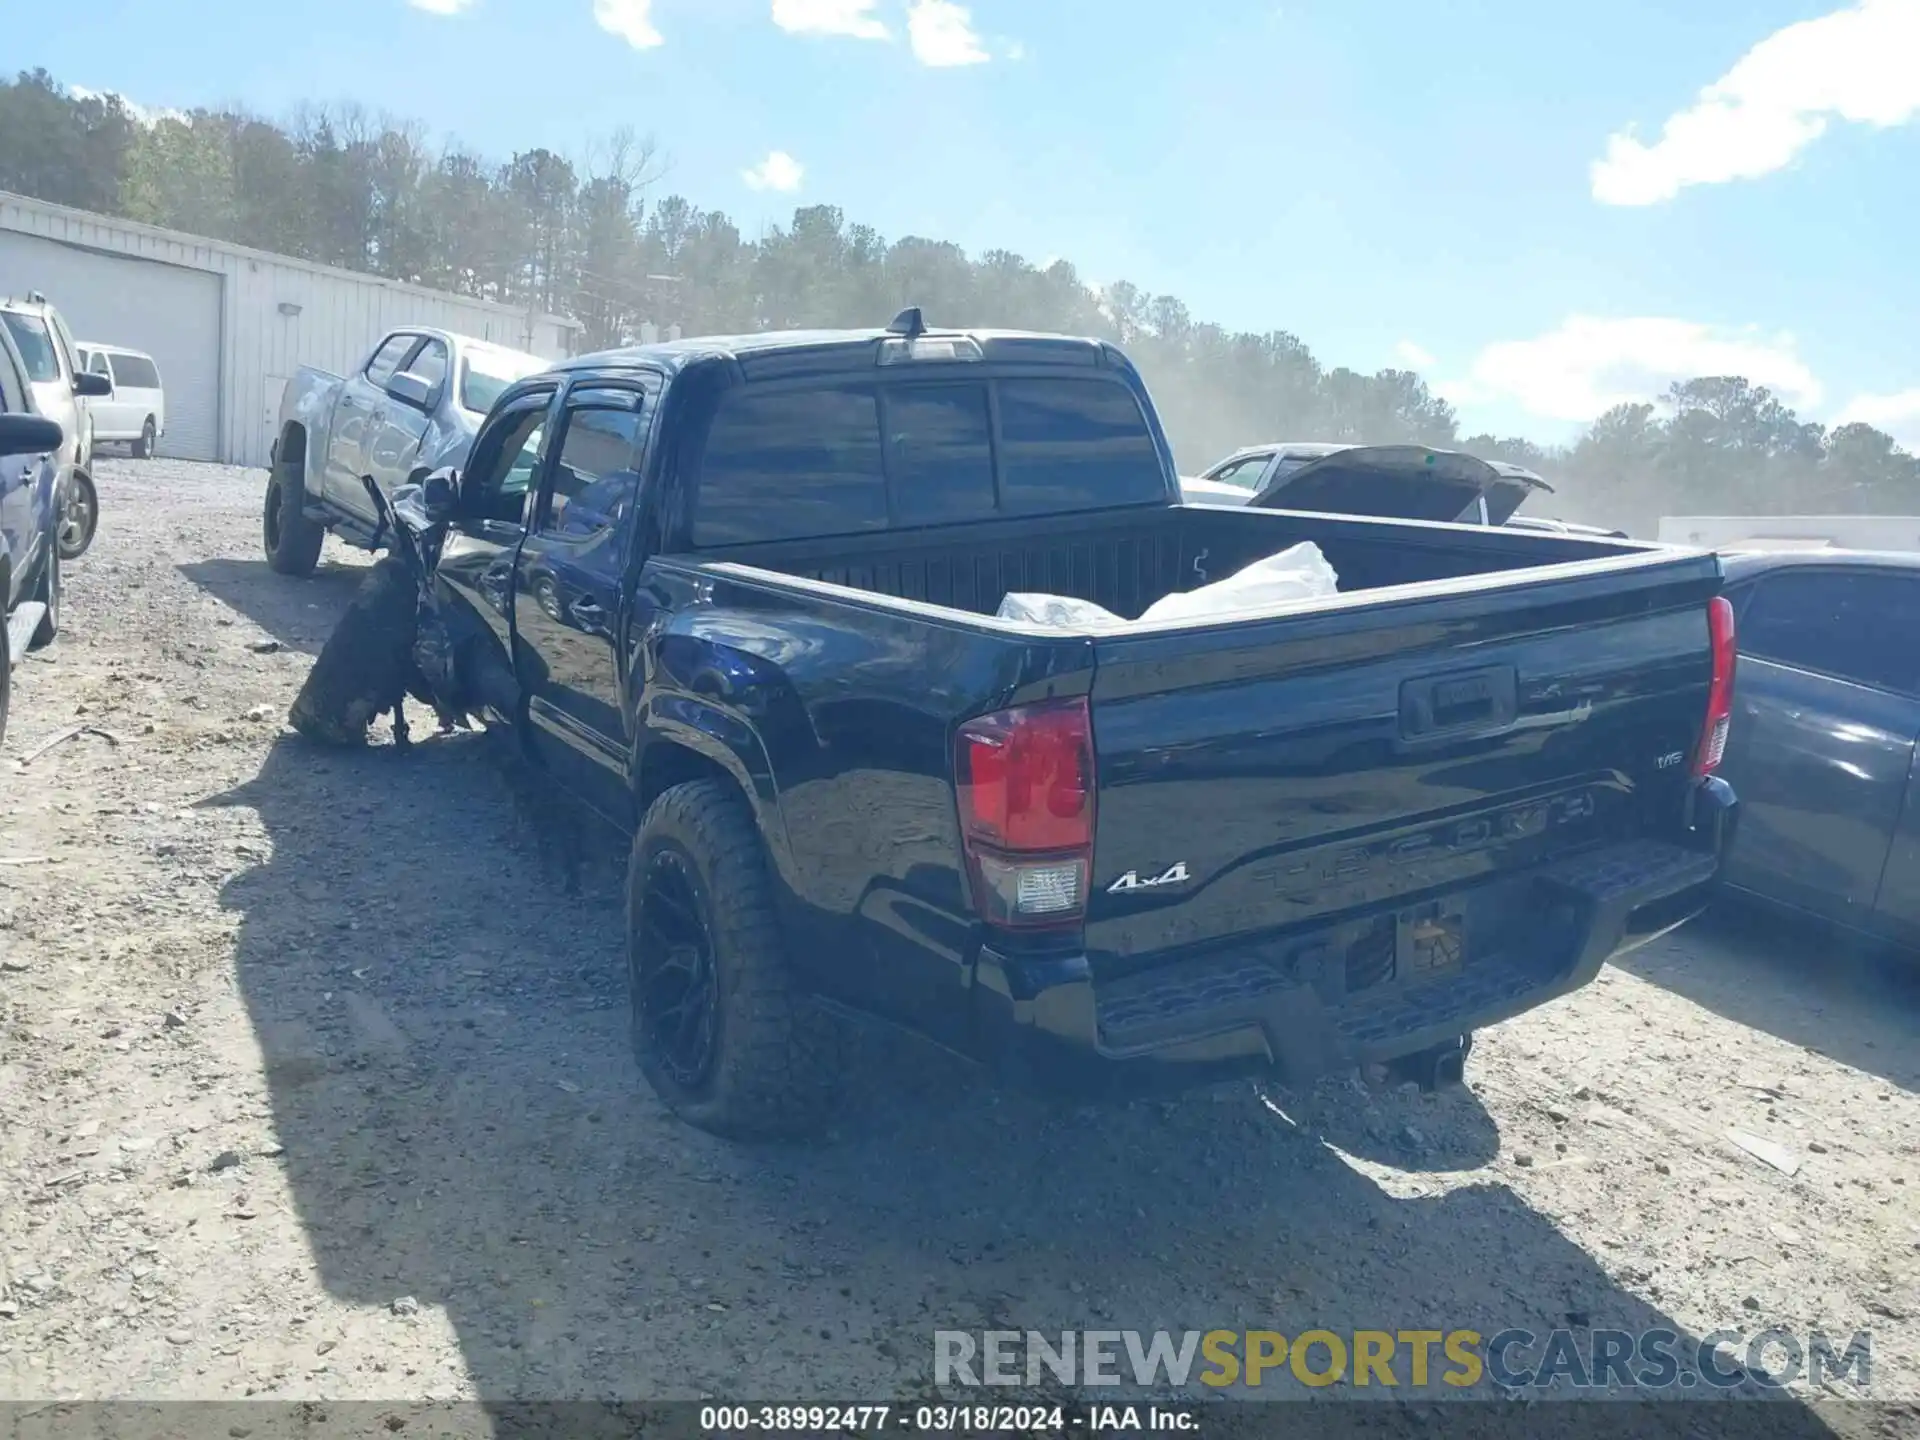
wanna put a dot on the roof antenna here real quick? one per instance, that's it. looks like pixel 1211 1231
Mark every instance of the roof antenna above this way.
pixel 908 323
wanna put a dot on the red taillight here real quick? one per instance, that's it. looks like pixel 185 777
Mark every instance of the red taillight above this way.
pixel 1025 783
pixel 1713 731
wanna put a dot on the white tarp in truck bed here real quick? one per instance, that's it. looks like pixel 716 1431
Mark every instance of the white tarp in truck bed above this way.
pixel 1296 575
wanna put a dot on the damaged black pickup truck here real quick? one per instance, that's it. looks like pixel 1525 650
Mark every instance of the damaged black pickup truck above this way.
pixel 740 596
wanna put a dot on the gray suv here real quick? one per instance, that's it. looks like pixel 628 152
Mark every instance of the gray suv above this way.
pixel 58 389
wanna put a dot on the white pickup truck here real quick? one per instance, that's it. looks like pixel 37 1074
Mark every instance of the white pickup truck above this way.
pixel 417 400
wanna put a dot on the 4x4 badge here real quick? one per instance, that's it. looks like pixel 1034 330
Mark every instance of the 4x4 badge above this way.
pixel 1175 874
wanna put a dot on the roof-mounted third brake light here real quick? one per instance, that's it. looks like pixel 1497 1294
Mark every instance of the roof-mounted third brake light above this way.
pixel 908 341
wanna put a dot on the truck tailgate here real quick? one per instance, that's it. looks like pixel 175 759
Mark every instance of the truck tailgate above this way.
pixel 1293 771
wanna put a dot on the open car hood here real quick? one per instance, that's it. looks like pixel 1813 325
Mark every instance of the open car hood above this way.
pixel 1401 482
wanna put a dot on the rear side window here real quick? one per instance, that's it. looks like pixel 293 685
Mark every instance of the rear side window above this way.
pixel 134 372
pixel 1854 625
pixel 783 464
pixel 1074 445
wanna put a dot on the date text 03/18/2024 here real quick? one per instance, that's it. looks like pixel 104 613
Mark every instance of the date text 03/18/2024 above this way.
pixel 944 1419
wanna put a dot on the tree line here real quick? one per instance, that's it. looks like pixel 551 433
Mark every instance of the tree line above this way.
pixel 580 237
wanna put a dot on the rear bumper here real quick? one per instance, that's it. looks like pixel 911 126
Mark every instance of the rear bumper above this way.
pixel 1294 1009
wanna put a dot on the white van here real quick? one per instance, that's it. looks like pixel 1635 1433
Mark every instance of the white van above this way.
pixel 136 412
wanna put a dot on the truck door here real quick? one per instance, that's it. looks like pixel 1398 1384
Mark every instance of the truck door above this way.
pixel 398 426
pixel 477 561
pixel 109 412
pixel 17 474
pixel 348 435
pixel 1823 734
pixel 568 594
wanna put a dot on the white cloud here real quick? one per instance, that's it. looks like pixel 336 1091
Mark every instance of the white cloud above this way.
pixel 942 34
pixel 1590 364
pixel 1413 355
pixel 631 20
pixel 854 18
pixel 139 114
pixel 1897 414
pixel 779 171
pixel 442 7
pixel 1861 65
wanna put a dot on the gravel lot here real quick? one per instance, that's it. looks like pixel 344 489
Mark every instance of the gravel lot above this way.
pixel 314 1086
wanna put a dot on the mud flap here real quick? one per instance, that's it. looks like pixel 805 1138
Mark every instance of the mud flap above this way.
pixel 20 627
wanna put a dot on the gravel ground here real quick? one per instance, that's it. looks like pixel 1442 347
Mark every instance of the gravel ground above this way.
pixel 313 1085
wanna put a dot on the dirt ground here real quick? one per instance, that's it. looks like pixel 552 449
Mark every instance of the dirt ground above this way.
pixel 313 1085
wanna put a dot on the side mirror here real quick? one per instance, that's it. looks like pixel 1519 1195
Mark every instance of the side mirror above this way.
pixel 440 494
pixel 411 389
pixel 94 387
pixel 29 435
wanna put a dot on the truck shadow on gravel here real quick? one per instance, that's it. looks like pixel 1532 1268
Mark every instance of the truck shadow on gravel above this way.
pixel 1840 996
pixel 445 1041
pixel 300 614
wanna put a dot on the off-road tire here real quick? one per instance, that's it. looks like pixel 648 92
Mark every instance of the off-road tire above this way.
pixel 47 592
pixel 292 540
pixel 73 545
pixel 778 1057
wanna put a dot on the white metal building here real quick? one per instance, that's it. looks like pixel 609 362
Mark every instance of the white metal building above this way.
pixel 1792 532
pixel 227 325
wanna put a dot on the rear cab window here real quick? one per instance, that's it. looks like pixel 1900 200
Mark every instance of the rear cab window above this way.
pixel 796 462
pixel 485 374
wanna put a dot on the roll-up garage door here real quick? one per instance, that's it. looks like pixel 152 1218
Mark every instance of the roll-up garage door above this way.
pixel 171 313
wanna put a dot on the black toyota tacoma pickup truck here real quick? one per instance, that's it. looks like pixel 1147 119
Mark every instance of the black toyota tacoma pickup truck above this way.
pixel 740 595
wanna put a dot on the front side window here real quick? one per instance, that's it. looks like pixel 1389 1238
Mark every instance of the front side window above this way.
pixel 386 360
pixel 35 344
pixel 1853 625
pixel 596 473
pixel 431 363
pixel 1244 473
pixel 785 464
pixel 505 455
pixel 98 365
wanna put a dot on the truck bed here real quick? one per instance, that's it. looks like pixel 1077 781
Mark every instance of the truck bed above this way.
pixel 1126 560
pixel 1475 706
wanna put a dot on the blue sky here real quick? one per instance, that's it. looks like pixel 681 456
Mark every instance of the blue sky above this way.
pixel 1545 208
